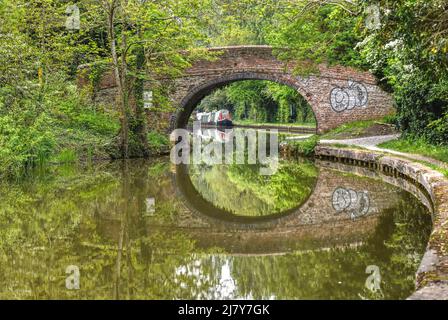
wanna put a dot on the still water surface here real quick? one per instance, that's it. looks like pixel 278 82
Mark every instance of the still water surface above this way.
pixel 150 230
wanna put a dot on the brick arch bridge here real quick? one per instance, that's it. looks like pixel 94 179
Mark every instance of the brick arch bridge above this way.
pixel 337 94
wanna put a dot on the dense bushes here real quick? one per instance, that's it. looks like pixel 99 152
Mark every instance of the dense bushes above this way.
pixel 409 53
pixel 422 112
pixel 24 142
pixel 260 101
pixel 47 123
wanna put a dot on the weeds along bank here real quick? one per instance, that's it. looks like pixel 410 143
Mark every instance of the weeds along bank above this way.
pixel 56 123
pixel 52 123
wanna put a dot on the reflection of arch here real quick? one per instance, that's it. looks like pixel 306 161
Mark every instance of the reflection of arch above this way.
pixel 313 225
pixel 196 94
pixel 317 209
pixel 197 204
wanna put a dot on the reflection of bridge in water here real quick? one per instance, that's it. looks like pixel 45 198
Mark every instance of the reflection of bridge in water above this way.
pixel 324 220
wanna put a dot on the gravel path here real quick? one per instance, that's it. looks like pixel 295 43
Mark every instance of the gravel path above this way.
pixel 371 143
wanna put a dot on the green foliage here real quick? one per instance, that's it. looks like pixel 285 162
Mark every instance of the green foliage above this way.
pixel 255 101
pixel 24 142
pixel 241 190
pixel 43 116
pixel 247 101
pixel 409 53
pixel 158 141
pixel 292 107
pixel 239 23
pixel 419 113
pixel 317 32
pixel 304 147
pixel 96 122
pixel 392 119
pixel 418 146
pixel 96 71
pixel 54 123
pixel 437 130
pixel 66 156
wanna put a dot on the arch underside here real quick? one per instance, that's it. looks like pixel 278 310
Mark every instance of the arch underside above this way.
pixel 195 95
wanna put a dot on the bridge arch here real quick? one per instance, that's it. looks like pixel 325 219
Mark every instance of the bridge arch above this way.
pixel 336 94
pixel 198 205
pixel 317 209
pixel 196 94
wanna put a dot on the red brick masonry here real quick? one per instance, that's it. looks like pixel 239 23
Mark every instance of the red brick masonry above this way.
pixel 337 94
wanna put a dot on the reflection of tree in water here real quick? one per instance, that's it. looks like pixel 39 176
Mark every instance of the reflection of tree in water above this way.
pixel 241 190
pixel 396 248
pixel 95 220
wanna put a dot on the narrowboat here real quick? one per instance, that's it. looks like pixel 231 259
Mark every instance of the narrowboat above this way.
pixel 219 118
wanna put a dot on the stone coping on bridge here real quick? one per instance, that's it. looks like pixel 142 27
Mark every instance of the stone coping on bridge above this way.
pixel 432 275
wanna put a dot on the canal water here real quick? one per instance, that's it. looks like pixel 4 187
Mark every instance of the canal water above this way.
pixel 147 229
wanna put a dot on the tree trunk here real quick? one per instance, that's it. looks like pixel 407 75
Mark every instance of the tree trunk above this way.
pixel 140 128
pixel 120 79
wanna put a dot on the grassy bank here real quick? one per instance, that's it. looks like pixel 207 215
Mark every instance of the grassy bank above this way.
pixel 57 123
pixel 359 129
pixel 303 147
pixel 51 123
pixel 158 142
pixel 418 146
